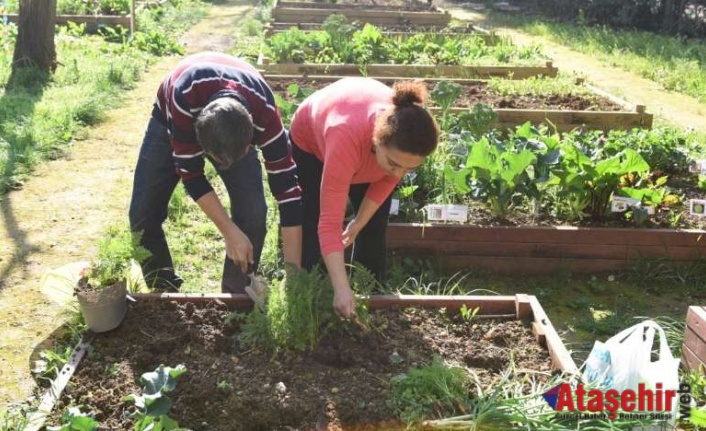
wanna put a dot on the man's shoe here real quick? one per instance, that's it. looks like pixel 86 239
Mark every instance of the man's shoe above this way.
pixel 257 290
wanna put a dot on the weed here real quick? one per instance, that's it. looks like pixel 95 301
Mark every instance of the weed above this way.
pixel 429 392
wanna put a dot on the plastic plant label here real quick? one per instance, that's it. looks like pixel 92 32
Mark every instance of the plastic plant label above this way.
pixel 395 207
pixel 697 207
pixel 447 212
pixel 621 204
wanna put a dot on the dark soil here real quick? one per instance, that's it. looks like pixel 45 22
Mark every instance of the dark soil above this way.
pixel 342 384
pixel 475 93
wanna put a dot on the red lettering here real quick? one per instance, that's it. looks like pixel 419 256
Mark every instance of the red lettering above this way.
pixel 627 401
pixel 668 398
pixel 564 399
pixel 595 402
pixel 645 398
pixel 612 402
pixel 580 392
pixel 658 398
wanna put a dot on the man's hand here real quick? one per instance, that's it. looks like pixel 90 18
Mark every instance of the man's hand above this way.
pixel 344 301
pixel 351 232
pixel 239 249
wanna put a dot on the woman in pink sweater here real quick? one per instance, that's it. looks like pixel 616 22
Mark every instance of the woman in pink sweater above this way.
pixel 355 139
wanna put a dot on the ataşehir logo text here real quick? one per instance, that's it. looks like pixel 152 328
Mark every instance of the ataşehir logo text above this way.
pixel 596 403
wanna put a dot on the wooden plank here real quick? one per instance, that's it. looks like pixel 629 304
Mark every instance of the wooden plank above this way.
pixel 609 120
pixel 417 71
pixel 489 305
pixel 561 359
pixel 690 360
pixel 696 321
pixel 539 334
pixel 322 5
pixel 378 17
pixel 523 306
pixel 542 234
pixel 527 249
pixel 695 343
pixel 313 79
pixel 530 265
pixel 92 20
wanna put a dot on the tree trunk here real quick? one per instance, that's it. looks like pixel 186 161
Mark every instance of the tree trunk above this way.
pixel 35 36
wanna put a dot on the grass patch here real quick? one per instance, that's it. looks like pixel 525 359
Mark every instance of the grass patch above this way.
pixel 41 116
pixel 676 63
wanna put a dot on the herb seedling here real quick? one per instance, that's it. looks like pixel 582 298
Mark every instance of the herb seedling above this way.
pixel 468 313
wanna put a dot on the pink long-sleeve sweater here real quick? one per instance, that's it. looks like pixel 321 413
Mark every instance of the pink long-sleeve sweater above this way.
pixel 335 124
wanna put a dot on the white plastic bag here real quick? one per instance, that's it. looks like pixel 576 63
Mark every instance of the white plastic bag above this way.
pixel 624 361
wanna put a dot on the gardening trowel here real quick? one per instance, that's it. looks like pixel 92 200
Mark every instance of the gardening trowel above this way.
pixel 257 290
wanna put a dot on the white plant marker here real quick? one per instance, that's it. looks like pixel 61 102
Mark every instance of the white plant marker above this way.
pixel 447 212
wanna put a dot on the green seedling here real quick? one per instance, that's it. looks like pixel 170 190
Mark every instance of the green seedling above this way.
pixel 468 313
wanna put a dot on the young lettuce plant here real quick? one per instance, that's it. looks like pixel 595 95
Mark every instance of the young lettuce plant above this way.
pixel 153 404
pixel 73 419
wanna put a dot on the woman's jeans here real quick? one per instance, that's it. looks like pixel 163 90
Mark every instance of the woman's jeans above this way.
pixel 370 248
pixel 154 183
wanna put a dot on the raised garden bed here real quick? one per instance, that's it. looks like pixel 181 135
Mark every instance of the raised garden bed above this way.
pixel 519 250
pixel 594 110
pixel 378 15
pixel 275 27
pixel 409 71
pixel 93 22
pixel 394 31
pixel 694 347
pixel 344 382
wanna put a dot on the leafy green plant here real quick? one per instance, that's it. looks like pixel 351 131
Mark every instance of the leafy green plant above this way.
pixel 73 419
pixel 468 313
pixel 444 94
pixel 588 184
pixel 153 404
pixel 299 312
pixel 116 252
pixel 429 392
pixel 494 175
pixel 478 120
pixel 340 42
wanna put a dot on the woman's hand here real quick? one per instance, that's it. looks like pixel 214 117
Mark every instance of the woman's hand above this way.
pixel 351 232
pixel 344 301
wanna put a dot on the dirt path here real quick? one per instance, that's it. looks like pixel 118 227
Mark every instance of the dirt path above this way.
pixel 678 109
pixel 61 212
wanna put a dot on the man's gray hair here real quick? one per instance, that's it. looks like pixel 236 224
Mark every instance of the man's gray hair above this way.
pixel 224 130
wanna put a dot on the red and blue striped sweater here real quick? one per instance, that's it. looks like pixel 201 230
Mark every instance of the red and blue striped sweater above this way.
pixel 196 81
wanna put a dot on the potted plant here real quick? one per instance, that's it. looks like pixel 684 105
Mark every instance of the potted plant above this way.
pixel 102 288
